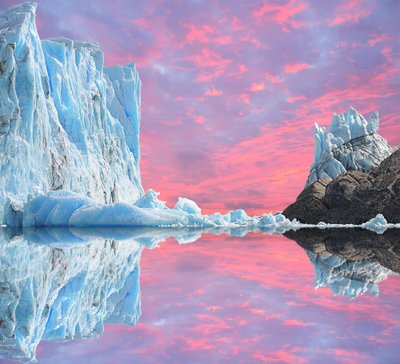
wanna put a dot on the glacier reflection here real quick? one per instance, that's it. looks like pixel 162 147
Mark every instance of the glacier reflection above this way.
pixel 65 284
pixel 64 290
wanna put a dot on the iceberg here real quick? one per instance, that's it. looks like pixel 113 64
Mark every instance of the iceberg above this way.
pixel 66 121
pixel 350 143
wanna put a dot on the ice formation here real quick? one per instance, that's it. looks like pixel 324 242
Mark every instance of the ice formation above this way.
pixel 350 143
pixel 64 292
pixel 349 278
pixel 69 209
pixel 66 121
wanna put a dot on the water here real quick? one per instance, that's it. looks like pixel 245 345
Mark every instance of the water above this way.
pixel 221 299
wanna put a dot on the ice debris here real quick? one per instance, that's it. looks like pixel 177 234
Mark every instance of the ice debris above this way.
pixel 69 209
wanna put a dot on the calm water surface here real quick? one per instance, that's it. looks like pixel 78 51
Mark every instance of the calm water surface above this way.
pixel 242 300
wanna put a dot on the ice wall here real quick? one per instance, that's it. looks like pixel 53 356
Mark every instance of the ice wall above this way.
pixel 66 291
pixel 350 143
pixel 66 121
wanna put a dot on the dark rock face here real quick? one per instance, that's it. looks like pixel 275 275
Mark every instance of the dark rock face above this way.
pixel 353 197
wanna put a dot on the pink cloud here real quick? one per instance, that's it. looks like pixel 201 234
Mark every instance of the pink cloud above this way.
pixel 256 87
pixel 378 38
pixel 213 92
pixel 297 323
pixel 282 14
pixel 296 98
pixel 350 12
pixel 272 78
pixel 198 34
pixel 295 67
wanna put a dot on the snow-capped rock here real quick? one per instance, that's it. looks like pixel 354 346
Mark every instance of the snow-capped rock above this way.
pixel 66 121
pixel 350 143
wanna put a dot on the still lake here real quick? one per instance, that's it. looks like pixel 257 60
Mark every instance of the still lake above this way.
pixel 220 299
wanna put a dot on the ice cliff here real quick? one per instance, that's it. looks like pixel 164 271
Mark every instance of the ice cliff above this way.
pixel 66 121
pixel 350 143
pixel 63 291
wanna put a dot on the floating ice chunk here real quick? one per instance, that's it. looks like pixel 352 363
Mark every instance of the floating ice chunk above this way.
pixel 217 219
pixel 274 223
pixel 121 214
pixel 377 224
pixel 55 208
pixel 150 201
pixel 188 206
pixel 238 217
pixel 269 220
pixel 64 208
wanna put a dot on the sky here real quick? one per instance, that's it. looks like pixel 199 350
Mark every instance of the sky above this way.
pixel 232 89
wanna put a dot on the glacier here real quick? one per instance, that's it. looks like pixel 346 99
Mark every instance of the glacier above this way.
pixel 350 143
pixel 66 121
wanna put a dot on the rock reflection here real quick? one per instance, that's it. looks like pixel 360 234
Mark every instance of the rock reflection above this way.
pixel 350 261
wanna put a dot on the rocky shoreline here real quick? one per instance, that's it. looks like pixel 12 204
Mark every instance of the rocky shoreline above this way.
pixel 352 197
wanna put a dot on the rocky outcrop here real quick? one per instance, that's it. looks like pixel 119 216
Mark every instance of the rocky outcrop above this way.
pixel 353 197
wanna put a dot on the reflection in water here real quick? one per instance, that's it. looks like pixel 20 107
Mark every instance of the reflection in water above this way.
pixel 63 284
pixel 64 291
pixel 346 277
pixel 350 261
